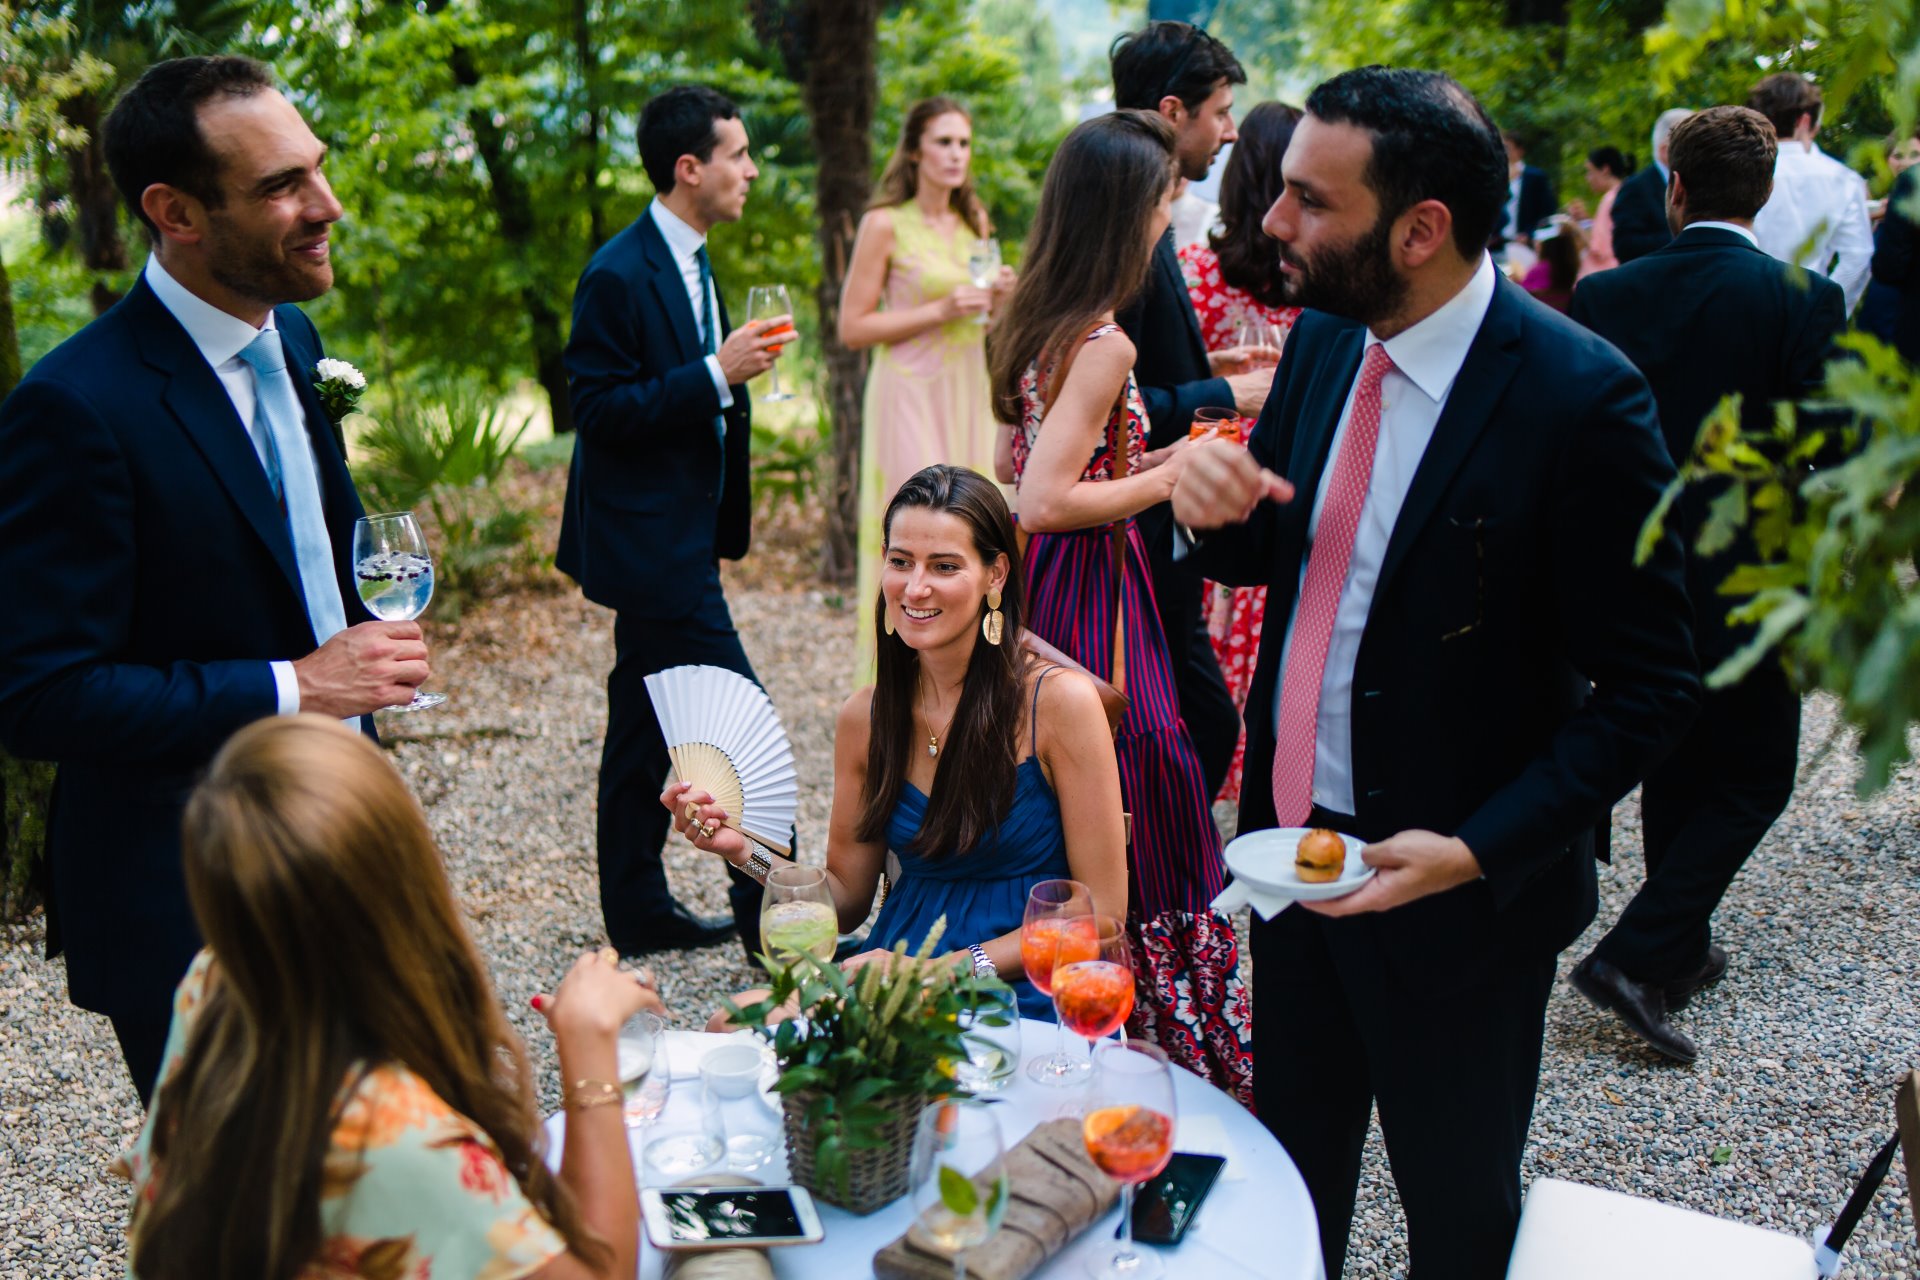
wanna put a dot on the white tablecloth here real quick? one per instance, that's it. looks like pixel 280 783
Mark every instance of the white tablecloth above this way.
pixel 1257 1222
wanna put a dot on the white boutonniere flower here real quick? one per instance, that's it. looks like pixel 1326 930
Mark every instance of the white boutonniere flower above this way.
pixel 340 386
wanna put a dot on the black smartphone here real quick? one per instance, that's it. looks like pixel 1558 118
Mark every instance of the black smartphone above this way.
pixel 1163 1207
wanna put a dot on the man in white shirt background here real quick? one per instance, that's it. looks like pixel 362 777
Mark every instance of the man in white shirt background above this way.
pixel 1817 216
pixel 176 525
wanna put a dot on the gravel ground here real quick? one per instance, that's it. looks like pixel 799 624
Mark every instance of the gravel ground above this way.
pixel 1801 1043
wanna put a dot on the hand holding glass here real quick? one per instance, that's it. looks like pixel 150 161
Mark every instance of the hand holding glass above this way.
pixel 770 302
pixel 983 265
pixel 394 575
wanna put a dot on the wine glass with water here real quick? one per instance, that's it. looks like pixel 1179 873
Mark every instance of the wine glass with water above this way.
pixel 797 917
pixel 959 1178
pixel 393 573
pixel 770 302
pixel 983 265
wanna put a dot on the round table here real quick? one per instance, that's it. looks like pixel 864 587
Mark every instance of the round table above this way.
pixel 1257 1222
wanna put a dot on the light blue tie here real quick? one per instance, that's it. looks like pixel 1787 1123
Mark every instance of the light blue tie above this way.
pixel 277 407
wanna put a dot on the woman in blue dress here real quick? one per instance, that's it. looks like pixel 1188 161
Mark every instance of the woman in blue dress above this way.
pixel 981 770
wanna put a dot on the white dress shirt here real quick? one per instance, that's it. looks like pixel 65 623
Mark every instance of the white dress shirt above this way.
pixel 1710 224
pixel 1426 360
pixel 220 338
pixel 684 243
pixel 1817 217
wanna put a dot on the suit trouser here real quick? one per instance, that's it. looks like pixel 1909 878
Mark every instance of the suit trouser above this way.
pixel 143 1042
pixel 1212 719
pixel 1453 1065
pixel 1703 812
pixel 634 768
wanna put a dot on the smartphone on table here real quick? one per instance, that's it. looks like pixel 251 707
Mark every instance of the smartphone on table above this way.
pixel 726 1217
pixel 1164 1206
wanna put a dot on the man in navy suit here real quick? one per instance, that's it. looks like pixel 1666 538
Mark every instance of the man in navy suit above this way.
pixel 1461 662
pixel 1708 316
pixel 1529 196
pixel 659 493
pixel 176 524
pixel 1640 209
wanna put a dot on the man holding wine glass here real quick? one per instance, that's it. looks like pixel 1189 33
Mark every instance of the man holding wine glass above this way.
pixel 659 492
pixel 175 524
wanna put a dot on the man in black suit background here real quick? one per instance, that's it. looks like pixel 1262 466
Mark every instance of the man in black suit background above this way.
pixel 1187 76
pixel 176 526
pixel 1640 210
pixel 1708 316
pixel 1449 564
pixel 1529 195
pixel 659 492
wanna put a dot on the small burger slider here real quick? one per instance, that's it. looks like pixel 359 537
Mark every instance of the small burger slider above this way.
pixel 1320 856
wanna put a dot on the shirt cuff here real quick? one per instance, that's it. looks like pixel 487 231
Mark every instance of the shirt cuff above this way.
pixel 720 382
pixel 287 686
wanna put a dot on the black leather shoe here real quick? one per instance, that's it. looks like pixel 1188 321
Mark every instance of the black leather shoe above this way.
pixel 675 930
pixel 1642 1006
pixel 1711 970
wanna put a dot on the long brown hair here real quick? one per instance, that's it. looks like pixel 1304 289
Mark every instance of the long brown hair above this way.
pixel 973 780
pixel 1088 252
pixel 337 949
pixel 1249 260
pixel 901 179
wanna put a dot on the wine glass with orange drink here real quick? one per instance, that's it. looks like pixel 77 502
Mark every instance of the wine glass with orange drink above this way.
pixel 770 302
pixel 1129 1133
pixel 1057 911
pixel 1093 987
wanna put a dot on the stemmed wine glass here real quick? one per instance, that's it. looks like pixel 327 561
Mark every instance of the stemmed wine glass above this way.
pixel 1057 928
pixel 394 575
pixel 1129 1133
pixel 1093 997
pixel 983 264
pixel 770 302
pixel 797 917
pixel 1260 335
pixel 956 1148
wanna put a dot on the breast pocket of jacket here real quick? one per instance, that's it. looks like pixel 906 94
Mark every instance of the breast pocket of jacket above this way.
pixel 1457 578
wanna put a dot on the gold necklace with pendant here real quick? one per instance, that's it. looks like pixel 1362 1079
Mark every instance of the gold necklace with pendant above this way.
pixel 933 739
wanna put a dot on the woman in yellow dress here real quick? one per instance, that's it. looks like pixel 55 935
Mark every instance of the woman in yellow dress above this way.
pixel 910 296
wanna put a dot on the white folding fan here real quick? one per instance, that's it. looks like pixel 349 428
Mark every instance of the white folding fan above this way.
pixel 726 739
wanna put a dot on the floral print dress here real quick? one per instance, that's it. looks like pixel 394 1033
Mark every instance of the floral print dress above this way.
pixel 412 1189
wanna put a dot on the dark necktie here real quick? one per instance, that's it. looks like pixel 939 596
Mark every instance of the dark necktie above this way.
pixel 709 341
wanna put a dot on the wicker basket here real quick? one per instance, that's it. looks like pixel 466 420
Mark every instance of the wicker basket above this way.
pixel 876 1176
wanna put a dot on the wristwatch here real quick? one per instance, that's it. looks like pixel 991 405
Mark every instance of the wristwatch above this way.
pixel 982 962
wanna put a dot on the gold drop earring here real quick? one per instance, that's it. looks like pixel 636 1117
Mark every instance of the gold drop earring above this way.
pixel 886 616
pixel 993 626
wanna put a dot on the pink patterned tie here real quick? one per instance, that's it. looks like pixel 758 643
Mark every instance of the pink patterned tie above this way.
pixel 1319 601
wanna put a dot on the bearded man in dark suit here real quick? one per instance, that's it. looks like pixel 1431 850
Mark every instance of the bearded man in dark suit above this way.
pixel 176 526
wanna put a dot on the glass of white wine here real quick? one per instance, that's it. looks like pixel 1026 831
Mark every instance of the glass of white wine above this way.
pixel 642 1058
pixel 393 573
pixel 983 265
pixel 959 1178
pixel 770 302
pixel 797 917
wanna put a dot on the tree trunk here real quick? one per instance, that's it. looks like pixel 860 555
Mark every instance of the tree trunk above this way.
pixel 96 201
pixel 9 336
pixel 839 90
pixel 591 126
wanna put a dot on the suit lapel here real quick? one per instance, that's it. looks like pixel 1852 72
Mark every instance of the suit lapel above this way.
pixel 670 287
pixel 201 406
pixel 1490 365
pixel 339 501
pixel 1167 262
pixel 1313 445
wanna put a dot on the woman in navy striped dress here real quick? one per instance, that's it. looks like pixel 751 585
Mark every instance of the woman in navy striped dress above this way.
pixel 1063 373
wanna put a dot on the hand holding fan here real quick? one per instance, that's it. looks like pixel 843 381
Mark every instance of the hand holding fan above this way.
pixel 725 738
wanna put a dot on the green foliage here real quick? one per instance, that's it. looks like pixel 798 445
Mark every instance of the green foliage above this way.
pixel 788 465
pixel 446 456
pixel 26 789
pixel 891 1031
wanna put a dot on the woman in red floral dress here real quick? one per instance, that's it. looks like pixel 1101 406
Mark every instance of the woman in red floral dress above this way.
pixel 1234 278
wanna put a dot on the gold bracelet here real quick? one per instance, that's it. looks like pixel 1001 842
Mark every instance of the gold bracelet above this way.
pixel 588 1094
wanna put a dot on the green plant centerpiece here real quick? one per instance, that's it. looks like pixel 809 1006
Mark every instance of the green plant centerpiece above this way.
pixel 859 1057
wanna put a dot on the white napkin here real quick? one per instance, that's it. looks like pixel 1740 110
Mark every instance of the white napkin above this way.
pixel 1241 894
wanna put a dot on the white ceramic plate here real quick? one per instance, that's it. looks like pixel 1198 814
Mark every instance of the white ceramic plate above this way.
pixel 1264 859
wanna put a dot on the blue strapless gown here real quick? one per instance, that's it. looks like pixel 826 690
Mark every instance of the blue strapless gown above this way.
pixel 983 893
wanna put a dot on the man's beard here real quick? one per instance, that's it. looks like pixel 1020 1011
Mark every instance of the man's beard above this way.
pixel 1355 280
pixel 263 272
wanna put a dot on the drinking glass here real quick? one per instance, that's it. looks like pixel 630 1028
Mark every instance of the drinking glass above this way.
pixel 394 575
pixel 959 1178
pixel 1093 997
pixel 689 1138
pixel 1129 1133
pixel 983 265
pixel 642 1049
pixel 770 302
pixel 1213 419
pixel 991 1030
pixel 797 917
pixel 1260 335
pixel 1058 924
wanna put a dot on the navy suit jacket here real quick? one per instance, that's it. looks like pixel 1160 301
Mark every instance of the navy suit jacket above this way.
pixel 1640 215
pixel 1896 264
pixel 151 577
pixel 1170 353
pixel 1708 316
pixel 1508 586
pixel 647 519
pixel 1536 202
